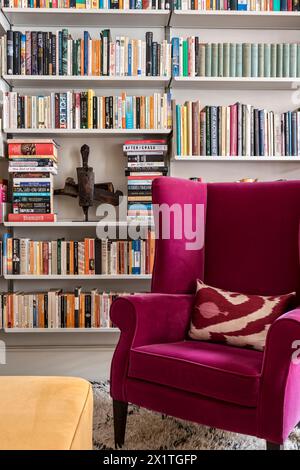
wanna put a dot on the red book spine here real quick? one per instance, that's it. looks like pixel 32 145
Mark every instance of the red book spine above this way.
pixel 54 4
pixel 233 130
pixel 56 116
pixel 31 217
pixel 141 177
pixel 290 5
pixel 35 149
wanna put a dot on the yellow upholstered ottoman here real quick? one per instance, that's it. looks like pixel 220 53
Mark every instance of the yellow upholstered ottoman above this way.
pixel 45 413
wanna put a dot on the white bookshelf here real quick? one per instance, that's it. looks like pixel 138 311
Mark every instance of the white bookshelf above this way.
pixel 76 224
pixel 81 277
pixel 86 132
pixel 218 158
pixel 235 83
pixel 235 19
pixel 19 17
pixel 57 81
pixel 61 330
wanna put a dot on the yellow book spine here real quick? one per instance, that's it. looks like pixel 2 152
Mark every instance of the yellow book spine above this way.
pixel 91 94
pixel 185 144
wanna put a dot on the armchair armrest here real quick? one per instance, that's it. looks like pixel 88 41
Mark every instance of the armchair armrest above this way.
pixel 279 401
pixel 145 319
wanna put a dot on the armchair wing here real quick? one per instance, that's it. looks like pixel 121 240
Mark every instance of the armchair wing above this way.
pixel 279 402
pixel 146 319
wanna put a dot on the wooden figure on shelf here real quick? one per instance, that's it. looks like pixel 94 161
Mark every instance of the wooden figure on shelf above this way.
pixel 86 189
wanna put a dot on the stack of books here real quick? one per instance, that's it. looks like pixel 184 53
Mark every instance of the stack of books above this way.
pixel 47 53
pixel 87 257
pixel 3 200
pixel 192 58
pixel 241 5
pixel 84 110
pixel 32 164
pixel 235 130
pixel 91 4
pixel 57 309
pixel 145 162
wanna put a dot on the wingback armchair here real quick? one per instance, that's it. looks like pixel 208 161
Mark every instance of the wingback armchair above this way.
pixel 251 246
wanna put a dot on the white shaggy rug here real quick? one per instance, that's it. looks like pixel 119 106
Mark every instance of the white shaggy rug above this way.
pixel 150 431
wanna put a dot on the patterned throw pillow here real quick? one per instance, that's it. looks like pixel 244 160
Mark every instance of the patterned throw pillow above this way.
pixel 241 320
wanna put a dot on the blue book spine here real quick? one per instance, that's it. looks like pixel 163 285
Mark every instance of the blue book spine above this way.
pixel 138 4
pixel 31 194
pixel 261 133
pixel 283 5
pixel 129 59
pixel 101 3
pixel 178 130
pixel 34 314
pixel 175 57
pixel 131 4
pixel 4 245
pixel 129 112
pixel 136 255
pixel 85 52
pixel 60 52
pixel 242 5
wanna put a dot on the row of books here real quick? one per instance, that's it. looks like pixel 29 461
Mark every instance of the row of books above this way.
pixel 235 130
pixel 91 4
pixel 87 257
pixel 47 53
pixel 193 58
pixel 145 162
pixel 85 110
pixel 241 5
pixel 57 309
pixel 32 164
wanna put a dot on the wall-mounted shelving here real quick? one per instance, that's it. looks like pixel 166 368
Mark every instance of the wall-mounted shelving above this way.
pixel 61 330
pixel 205 158
pixel 235 19
pixel 235 83
pixel 71 17
pixel 84 277
pixel 85 81
pixel 87 132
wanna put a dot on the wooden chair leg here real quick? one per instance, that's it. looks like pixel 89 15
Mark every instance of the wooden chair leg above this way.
pixel 120 417
pixel 272 446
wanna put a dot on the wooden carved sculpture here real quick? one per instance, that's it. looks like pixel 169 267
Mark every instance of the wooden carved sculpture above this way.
pixel 86 189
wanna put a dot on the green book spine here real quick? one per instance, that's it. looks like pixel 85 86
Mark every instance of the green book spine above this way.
pixel 246 60
pixel 232 59
pixel 286 60
pixel 279 67
pixel 267 60
pixel 214 62
pixel 185 58
pixel 276 5
pixel 239 60
pixel 254 60
pixel 298 60
pixel 178 129
pixel 208 60
pixel 293 60
pixel 221 66
pixel 226 59
pixel 65 35
pixel 208 144
pixel 273 60
pixel 202 53
pixel 74 59
pixel 260 60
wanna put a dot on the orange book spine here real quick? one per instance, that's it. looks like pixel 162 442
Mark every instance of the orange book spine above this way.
pixel 71 257
pixel 123 110
pixel 151 112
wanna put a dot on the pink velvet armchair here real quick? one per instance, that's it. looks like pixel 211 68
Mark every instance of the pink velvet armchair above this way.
pixel 251 246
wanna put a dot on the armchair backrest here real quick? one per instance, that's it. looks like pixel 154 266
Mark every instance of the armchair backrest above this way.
pixel 251 238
